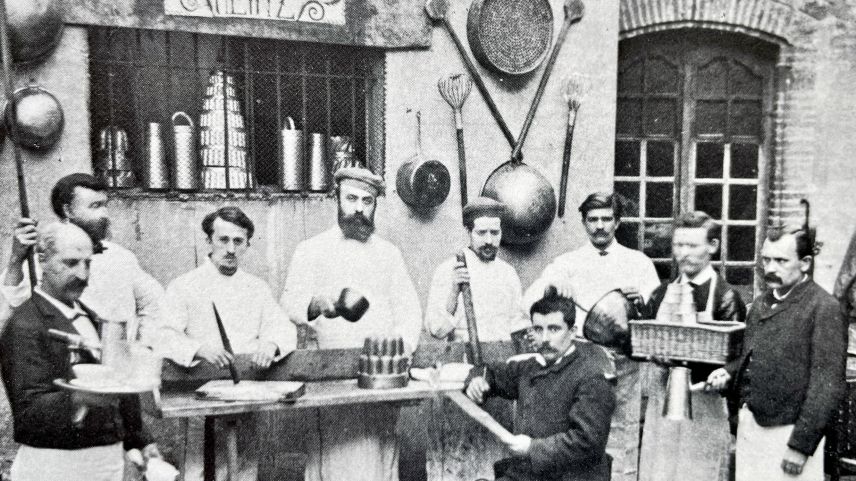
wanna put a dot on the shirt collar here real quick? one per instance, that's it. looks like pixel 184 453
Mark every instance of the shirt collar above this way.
pixel 70 313
pixel 780 298
pixel 611 248
pixel 209 264
pixel 703 276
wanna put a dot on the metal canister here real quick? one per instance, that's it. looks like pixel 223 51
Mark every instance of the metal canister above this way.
pixel 292 166
pixel 156 173
pixel 319 172
pixel 112 163
pixel 341 152
pixel 186 171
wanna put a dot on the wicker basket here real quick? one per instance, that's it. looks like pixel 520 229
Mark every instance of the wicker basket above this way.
pixel 713 343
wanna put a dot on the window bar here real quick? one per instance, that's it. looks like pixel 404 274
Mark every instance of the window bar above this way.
pixel 111 111
pixel 643 192
pixel 138 121
pixel 307 135
pixel 199 87
pixel 280 154
pixel 354 109
pixel 726 203
pixel 168 53
pixel 249 123
pixel 370 124
pixel 224 62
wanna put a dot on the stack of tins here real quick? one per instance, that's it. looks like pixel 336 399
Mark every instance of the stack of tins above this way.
pixel 222 136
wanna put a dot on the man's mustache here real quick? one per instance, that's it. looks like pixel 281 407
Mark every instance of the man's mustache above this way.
pixel 772 278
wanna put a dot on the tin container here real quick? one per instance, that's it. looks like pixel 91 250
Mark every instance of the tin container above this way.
pixel 292 167
pixel 156 173
pixel 319 172
pixel 184 160
pixel 112 162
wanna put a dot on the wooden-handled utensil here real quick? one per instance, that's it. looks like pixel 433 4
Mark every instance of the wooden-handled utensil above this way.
pixel 573 91
pixel 470 313
pixel 226 345
pixel 437 10
pixel 574 10
pixel 455 89
pixel 480 416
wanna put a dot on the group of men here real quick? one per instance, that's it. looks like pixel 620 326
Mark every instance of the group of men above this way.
pixel 578 404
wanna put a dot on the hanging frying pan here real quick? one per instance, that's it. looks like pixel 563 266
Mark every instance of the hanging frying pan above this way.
pixel 422 183
pixel 510 36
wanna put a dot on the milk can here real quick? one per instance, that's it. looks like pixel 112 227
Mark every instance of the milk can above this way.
pixel 319 172
pixel 186 172
pixel 156 173
pixel 292 167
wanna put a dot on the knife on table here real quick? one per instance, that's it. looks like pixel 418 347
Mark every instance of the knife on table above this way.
pixel 226 344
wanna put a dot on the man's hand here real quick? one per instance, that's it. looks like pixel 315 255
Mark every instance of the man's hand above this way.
pixel 24 238
pixel 519 445
pixel 477 388
pixel 217 356
pixel 460 275
pixel 263 357
pixel 718 380
pixel 562 285
pixel 322 305
pixel 793 461
pixel 632 294
pixel 141 458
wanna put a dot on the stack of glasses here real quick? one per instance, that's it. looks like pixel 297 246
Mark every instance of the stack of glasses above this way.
pixel 678 305
pixel 223 138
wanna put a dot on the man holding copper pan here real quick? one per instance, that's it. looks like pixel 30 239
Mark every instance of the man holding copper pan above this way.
pixel 587 274
pixel 253 322
pixel 697 449
pixel 359 441
pixel 788 379
pixel 496 291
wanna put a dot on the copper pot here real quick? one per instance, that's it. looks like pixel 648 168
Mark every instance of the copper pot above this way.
pixel 529 199
pixel 40 119
pixel 35 28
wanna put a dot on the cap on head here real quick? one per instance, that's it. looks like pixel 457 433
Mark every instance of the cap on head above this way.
pixel 362 178
pixel 482 207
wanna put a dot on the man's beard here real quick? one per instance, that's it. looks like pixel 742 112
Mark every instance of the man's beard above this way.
pixel 356 226
pixel 97 229
pixel 486 252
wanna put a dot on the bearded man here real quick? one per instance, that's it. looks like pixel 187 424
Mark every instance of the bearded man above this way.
pixel 359 441
pixel 119 289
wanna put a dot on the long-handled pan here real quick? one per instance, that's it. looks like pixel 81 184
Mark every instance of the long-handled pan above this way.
pixel 529 197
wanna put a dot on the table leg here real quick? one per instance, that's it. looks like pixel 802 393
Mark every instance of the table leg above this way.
pixel 210 455
pixel 232 465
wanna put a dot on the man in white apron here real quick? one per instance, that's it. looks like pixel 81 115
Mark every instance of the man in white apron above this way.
pixel 53 446
pixel 789 377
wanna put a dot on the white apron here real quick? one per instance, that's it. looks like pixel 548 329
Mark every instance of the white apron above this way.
pixel 760 451
pixel 99 463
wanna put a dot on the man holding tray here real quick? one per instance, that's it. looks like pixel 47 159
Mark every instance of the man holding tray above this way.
pixel 789 377
pixel 254 323
pixel 53 446
pixel 565 400
pixel 587 274
pixel 697 449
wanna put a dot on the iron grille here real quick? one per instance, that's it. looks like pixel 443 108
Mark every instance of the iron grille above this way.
pixel 140 77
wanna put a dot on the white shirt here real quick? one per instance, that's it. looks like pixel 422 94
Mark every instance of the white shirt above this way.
pixel 246 306
pixel 703 276
pixel 592 275
pixel 329 262
pixel 497 301
pixel 118 290
pixel 78 317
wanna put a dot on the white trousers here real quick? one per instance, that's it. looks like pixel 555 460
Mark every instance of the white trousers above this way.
pixel 99 463
pixel 760 450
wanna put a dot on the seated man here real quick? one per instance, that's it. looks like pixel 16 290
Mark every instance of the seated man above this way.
pixel 53 446
pixel 254 323
pixel 565 401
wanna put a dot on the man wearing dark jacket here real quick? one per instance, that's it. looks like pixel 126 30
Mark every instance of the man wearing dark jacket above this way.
pixel 789 377
pixel 565 401
pixel 52 445
pixel 697 449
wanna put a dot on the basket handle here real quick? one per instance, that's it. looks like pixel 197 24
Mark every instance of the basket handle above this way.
pixel 183 115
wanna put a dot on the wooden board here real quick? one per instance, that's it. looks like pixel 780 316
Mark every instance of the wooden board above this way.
pixel 262 391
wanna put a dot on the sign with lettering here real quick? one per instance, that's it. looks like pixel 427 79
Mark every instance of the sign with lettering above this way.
pixel 314 11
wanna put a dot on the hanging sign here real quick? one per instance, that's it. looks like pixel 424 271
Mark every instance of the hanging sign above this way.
pixel 314 11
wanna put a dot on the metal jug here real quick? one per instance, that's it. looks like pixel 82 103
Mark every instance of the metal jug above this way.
pixel 184 159
pixel 112 163
pixel 292 167
pixel 319 173
pixel 156 173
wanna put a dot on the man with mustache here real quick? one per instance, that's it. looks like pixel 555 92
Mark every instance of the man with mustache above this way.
pixel 254 323
pixel 697 449
pixel 119 289
pixel 564 397
pixel 53 447
pixel 359 442
pixel 789 377
pixel 587 274
pixel 494 283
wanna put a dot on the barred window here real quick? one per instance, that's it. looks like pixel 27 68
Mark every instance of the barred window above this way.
pixel 174 110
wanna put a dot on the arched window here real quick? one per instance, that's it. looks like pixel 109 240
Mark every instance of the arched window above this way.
pixel 693 133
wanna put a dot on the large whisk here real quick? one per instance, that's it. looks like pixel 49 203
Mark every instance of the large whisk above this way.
pixel 574 89
pixel 455 89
